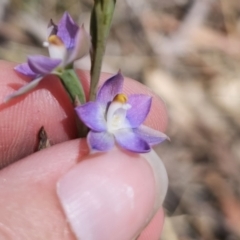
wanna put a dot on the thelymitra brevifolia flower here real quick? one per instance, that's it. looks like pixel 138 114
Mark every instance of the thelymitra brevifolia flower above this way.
pixel 66 43
pixel 117 117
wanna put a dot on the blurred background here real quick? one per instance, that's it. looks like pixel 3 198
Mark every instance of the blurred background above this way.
pixel 188 52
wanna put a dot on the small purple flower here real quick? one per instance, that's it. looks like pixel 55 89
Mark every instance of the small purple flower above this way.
pixel 66 43
pixel 114 116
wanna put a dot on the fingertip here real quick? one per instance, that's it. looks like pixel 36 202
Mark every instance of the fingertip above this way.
pixel 114 185
pixel 48 105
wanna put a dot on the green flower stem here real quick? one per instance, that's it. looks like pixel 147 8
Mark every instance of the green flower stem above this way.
pixel 101 19
pixel 73 86
pixel 75 91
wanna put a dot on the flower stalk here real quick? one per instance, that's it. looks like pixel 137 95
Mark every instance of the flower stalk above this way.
pixel 73 86
pixel 101 19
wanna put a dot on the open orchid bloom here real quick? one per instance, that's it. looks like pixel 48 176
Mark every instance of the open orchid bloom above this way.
pixel 66 43
pixel 116 117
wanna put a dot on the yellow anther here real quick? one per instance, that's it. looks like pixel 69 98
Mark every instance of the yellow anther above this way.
pixel 54 39
pixel 122 98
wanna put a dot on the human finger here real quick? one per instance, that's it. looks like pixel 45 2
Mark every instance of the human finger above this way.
pixel 102 196
pixel 48 105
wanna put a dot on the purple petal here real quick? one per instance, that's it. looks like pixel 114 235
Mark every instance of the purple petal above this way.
pixel 110 88
pixel 42 65
pixel 141 105
pixel 24 89
pixel 82 46
pixel 52 28
pixel 100 141
pixel 151 136
pixel 26 70
pixel 129 140
pixel 67 30
pixel 93 115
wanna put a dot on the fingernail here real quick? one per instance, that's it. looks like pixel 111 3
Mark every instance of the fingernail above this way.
pixel 109 196
pixel 160 176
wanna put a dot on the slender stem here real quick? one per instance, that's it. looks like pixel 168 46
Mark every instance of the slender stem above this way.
pixel 101 19
pixel 73 86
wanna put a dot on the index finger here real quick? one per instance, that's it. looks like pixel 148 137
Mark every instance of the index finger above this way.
pixel 48 105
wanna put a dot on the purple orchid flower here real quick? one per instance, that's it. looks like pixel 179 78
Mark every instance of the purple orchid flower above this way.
pixel 114 116
pixel 66 43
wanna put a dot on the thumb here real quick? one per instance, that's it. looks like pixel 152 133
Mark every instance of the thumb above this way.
pixel 113 195
pixel 105 196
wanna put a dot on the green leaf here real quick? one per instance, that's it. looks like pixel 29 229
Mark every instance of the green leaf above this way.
pixel 73 86
pixel 101 19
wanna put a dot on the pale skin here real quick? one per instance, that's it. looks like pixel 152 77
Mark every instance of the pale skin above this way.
pixel 29 206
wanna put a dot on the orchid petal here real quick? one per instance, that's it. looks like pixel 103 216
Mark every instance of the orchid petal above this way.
pixel 110 89
pixel 82 46
pixel 151 136
pixel 100 141
pixel 26 88
pixel 67 30
pixel 127 139
pixel 52 28
pixel 92 114
pixel 41 64
pixel 141 105
pixel 26 70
